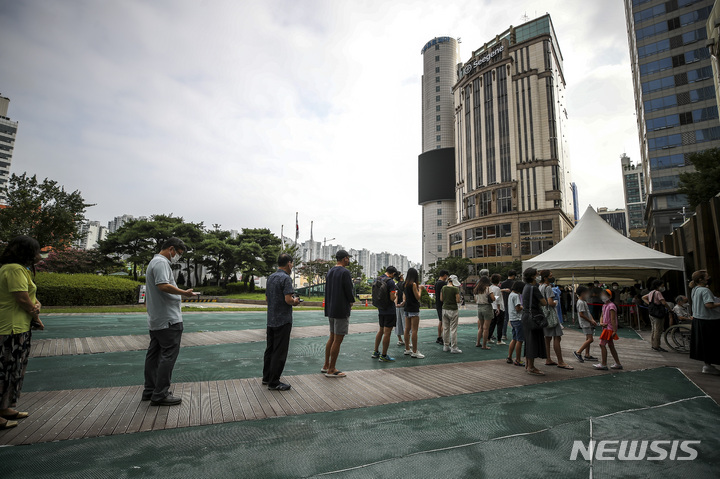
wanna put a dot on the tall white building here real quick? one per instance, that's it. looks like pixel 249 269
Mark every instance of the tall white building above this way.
pixel 436 163
pixel 8 130
pixel 92 232
pixel 118 221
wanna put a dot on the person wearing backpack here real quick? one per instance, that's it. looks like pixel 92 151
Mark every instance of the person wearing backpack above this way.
pixel 413 292
pixel 658 310
pixel 384 293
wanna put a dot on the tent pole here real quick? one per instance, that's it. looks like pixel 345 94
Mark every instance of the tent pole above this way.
pixel 572 298
pixel 685 286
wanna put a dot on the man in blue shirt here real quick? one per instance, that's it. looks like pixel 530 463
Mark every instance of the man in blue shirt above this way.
pixel 386 317
pixel 281 298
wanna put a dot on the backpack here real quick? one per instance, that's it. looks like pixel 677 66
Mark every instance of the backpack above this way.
pixel 381 293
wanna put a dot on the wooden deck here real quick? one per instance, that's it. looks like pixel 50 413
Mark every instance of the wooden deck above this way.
pixel 84 413
pixel 109 344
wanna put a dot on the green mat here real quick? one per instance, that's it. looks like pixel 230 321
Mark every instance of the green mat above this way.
pixel 524 432
pixel 90 325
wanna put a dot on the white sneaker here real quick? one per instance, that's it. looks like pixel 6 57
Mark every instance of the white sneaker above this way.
pixel 456 351
pixel 711 370
pixel 446 349
pixel 616 366
pixel 407 352
pixel 491 341
pixel 418 355
pixel 400 343
pixel 501 343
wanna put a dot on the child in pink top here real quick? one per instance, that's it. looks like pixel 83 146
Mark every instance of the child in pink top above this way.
pixel 609 333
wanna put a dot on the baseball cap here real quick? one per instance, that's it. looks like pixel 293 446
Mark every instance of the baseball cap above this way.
pixel 454 280
pixel 342 254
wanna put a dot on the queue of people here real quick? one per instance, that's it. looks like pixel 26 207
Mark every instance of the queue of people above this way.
pixel 529 307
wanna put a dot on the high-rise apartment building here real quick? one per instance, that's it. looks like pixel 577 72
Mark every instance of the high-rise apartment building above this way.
pixel 8 131
pixel 117 222
pixel 615 218
pixel 635 198
pixel 675 101
pixel 514 198
pixel 436 163
pixel 92 232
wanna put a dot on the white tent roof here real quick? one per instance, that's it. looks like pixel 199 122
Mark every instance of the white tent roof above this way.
pixel 595 250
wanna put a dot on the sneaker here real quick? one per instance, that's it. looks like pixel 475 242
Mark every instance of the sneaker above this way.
pixel 440 341
pixel 375 355
pixel 407 352
pixel 501 343
pixel 384 358
pixel 418 355
pixel 616 366
pixel 504 338
pixel 600 367
pixel 578 357
pixel 456 351
pixel 446 349
pixel 400 343
pixel 491 341
pixel 509 361
pixel 279 387
pixel 711 370
pixel 590 358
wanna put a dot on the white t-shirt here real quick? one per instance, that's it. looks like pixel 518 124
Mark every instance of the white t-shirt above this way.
pixel 499 303
pixel 582 307
pixel 514 300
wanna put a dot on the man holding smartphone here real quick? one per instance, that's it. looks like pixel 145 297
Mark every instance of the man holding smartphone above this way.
pixel 164 322
pixel 281 298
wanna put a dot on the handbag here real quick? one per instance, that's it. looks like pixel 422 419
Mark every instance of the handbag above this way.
pixel 535 321
pixel 551 316
pixel 656 309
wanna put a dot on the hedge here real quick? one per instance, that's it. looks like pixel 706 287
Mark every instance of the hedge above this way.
pixel 56 289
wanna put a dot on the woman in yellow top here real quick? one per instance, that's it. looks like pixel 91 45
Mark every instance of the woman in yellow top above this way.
pixel 19 310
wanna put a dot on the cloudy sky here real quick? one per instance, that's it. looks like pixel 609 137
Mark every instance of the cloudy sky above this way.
pixel 242 113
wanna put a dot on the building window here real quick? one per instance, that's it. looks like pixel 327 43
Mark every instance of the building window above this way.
pixel 437 118
pixel 437 88
pixel 439 249
pixel 437 79
pixel 504 200
pixel 437 58
pixel 438 138
pixel 437 98
pixel 438 147
pixel 437 107
pixel 471 208
pixel 456 238
pixel 437 47
pixel 439 212
pixel 437 127
pixel 485 203
pixel 439 222
pixel 439 236
pixel 437 69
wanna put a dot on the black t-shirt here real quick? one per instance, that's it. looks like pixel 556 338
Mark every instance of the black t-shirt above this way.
pixel 400 290
pixel 439 284
pixel 531 298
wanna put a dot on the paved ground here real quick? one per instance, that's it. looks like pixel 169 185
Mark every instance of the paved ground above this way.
pixel 468 415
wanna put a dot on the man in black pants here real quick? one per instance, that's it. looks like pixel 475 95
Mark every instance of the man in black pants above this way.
pixel 442 281
pixel 280 295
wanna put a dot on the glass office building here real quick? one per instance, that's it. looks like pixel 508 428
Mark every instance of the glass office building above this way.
pixel 677 112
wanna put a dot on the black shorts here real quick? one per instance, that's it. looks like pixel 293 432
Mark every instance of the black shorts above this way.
pixel 387 320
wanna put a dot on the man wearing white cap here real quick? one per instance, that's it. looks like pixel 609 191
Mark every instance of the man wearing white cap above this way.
pixel 450 296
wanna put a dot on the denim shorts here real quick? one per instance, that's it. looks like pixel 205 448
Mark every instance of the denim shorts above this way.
pixel 517 331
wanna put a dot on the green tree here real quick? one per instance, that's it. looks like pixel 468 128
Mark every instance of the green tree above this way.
pixel 259 250
pixel 218 254
pixel 703 183
pixel 77 261
pixel 43 210
pixel 455 265
pixel 131 243
pixel 315 270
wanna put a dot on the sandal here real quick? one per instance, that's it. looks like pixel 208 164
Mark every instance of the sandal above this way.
pixel 8 424
pixel 553 363
pixel 509 361
pixel 519 363
pixel 336 374
pixel 535 372
pixel 323 371
pixel 15 415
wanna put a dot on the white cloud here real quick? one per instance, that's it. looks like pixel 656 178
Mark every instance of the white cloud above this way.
pixel 241 113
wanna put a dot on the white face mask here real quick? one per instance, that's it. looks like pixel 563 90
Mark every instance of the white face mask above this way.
pixel 605 298
pixel 661 289
pixel 175 258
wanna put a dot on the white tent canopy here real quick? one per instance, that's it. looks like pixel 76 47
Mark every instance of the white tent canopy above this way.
pixel 595 250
